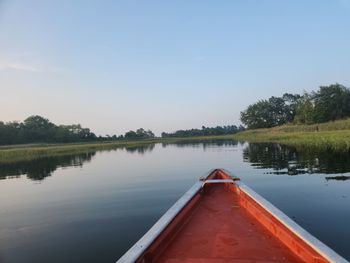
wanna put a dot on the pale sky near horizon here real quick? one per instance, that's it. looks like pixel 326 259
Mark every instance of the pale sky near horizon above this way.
pixel 114 66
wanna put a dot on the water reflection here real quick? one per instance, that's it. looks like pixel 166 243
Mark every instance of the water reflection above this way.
pixel 142 149
pixel 338 178
pixel 288 160
pixel 280 158
pixel 39 169
pixel 100 211
pixel 202 143
pixel 42 168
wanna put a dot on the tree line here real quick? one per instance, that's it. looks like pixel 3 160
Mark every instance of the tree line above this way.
pixel 37 129
pixel 204 131
pixel 328 103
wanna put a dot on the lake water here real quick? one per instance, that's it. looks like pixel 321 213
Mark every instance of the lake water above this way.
pixel 93 207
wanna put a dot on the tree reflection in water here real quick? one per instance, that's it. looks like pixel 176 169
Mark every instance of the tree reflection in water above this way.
pixel 142 149
pixel 202 143
pixel 288 160
pixel 280 158
pixel 41 168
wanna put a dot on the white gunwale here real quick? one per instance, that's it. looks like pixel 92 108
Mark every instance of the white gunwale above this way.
pixel 140 246
pixel 312 241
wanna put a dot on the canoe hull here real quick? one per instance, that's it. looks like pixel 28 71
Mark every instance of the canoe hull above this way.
pixel 219 220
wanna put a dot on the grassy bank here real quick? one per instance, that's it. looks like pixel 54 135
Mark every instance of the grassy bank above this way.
pixel 27 152
pixel 330 135
pixel 37 151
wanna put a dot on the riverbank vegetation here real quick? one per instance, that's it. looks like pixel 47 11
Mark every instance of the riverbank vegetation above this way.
pixel 331 135
pixel 328 103
pixel 204 131
pixel 316 119
pixel 37 129
pixel 27 152
pixel 37 151
pixel 36 137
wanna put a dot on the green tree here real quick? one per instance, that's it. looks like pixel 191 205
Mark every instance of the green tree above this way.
pixel 331 103
pixel 290 105
pixel 38 129
pixel 139 134
pixel 305 110
pixel 205 131
pixel 257 115
pixel 272 112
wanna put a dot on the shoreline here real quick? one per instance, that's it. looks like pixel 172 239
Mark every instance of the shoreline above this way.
pixel 337 140
pixel 27 152
pixel 324 136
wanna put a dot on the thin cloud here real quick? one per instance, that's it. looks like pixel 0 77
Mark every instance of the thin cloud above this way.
pixel 20 67
pixel 23 62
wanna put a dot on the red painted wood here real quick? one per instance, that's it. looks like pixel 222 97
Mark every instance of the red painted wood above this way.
pixel 221 224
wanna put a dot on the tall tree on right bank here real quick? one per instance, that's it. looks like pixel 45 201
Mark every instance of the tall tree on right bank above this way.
pixel 331 103
pixel 272 112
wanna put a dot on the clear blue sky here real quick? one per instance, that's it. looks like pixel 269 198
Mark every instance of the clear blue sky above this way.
pixel 164 65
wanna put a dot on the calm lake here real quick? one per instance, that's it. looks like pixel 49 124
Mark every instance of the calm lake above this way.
pixel 93 207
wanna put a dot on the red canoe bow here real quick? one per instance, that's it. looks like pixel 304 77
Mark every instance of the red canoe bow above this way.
pixel 221 220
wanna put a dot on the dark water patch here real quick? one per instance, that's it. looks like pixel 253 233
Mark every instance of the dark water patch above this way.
pixel 141 149
pixel 203 143
pixel 338 178
pixel 39 169
pixel 290 161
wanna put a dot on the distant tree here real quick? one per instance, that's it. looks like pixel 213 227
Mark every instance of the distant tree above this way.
pixel 204 131
pixel 80 133
pixel 272 112
pixel 37 122
pixel 278 113
pixel 36 129
pixel 9 133
pixel 290 105
pixel 139 134
pixel 257 115
pixel 305 110
pixel 130 135
pixel 63 134
pixel 150 134
pixel 331 103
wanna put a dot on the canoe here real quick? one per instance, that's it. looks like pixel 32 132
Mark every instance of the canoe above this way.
pixel 220 219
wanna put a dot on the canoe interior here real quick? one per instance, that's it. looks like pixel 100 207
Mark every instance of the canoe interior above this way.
pixel 222 223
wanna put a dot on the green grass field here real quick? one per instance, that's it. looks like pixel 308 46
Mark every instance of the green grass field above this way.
pixel 331 135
